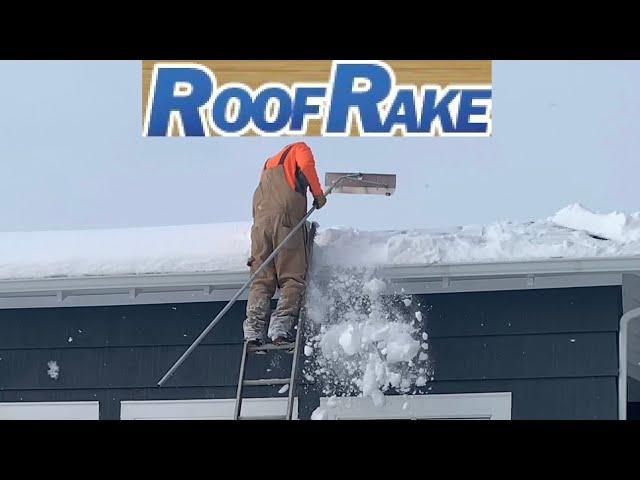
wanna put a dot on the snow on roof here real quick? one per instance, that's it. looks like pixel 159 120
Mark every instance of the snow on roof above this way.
pixel 573 232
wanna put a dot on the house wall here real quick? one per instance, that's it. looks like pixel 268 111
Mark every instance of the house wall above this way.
pixel 555 350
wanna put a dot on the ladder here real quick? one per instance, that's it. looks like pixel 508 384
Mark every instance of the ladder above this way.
pixel 294 348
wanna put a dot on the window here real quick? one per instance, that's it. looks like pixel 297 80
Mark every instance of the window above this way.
pixel 211 409
pixel 49 411
pixel 473 406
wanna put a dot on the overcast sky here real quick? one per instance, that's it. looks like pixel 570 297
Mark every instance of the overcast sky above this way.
pixel 72 155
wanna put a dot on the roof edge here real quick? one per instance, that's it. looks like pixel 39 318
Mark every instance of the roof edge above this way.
pixel 408 272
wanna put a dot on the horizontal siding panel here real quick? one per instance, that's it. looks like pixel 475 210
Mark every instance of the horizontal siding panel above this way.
pixel 126 325
pixel 589 309
pixel 127 367
pixel 525 356
pixel 461 314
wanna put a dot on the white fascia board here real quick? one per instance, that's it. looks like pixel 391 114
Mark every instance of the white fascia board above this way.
pixel 220 286
pixel 515 268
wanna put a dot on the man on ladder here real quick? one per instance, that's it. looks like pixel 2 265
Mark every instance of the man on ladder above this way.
pixel 279 203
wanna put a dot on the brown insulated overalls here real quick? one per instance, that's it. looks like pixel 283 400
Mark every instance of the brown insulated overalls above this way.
pixel 277 208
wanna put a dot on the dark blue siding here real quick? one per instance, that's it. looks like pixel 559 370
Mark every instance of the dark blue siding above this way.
pixel 555 350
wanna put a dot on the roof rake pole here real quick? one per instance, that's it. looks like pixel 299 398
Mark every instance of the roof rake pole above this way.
pixel 235 297
pixel 337 180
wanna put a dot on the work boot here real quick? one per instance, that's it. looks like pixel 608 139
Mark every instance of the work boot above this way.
pixel 257 343
pixel 281 330
pixel 284 340
pixel 254 331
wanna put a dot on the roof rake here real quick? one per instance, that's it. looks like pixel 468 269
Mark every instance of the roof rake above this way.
pixel 360 183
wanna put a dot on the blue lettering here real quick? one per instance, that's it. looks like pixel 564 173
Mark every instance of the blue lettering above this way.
pixel 463 125
pixel 408 117
pixel 343 97
pixel 260 110
pixel 243 113
pixel 186 107
pixel 432 110
pixel 301 108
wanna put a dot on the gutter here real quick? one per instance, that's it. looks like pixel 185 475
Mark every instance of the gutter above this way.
pixel 623 348
pixel 408 272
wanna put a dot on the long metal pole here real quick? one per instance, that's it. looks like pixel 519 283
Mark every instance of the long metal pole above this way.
pixel 233 299
pixel 243 288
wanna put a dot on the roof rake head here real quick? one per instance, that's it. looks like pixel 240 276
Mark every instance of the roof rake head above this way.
pixel 360 183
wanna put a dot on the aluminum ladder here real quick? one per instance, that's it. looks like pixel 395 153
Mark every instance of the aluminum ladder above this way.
pixel 295 348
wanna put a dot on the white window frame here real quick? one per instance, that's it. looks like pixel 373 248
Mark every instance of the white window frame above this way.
pixel 49 410
pixel 207 409
pixel 471 406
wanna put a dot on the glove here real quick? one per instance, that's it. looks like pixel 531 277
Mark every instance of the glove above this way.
pixel 319 201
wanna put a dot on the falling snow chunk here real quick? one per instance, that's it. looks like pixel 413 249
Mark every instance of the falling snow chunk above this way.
pixel 407 302
pixel 308 351
pixel 350 340
pixel 405 405
pixel 309 378
pixel 425 346
pixel 70 339
pixel 54 369
pixel 365 343
pixel 425 335
pixel 378 398
pixel 573 340
pixel 374 287
pixel 419 317
pixel 173 308
pixel 284 389
pixel 421 381
pixel 319 414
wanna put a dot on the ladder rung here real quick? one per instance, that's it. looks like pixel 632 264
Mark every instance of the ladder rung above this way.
pixel 265 417
pixel 271 346
pixel 267 381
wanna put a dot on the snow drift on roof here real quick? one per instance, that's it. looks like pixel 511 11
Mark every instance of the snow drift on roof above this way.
pixel 574 232
pixel 615 226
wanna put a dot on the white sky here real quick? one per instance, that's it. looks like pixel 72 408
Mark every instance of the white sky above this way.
pixel 72 155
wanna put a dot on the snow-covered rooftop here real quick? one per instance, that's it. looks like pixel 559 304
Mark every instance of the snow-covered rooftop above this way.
pixel 573 232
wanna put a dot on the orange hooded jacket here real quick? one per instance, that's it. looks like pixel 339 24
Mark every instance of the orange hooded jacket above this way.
pixel 299 168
